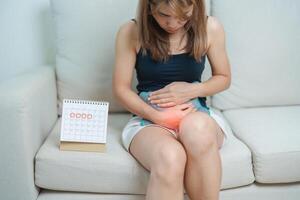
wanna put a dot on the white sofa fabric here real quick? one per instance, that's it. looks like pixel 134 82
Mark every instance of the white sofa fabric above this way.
pixel 272 134
pixel 116 171
pixel 263 43
pixel 28 113
pixel 260 159
pixel 85 36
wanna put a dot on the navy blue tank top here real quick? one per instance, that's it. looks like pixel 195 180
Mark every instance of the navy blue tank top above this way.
pixel 153 75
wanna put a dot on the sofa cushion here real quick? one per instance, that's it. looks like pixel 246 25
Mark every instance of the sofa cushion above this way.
pixel 263 42
pixel 273 136
pixel 85 37
pixel 116 171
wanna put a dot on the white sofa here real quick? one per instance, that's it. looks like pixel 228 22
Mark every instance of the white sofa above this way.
pixel 261 159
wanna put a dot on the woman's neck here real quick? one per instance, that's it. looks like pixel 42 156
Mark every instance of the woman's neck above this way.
pixel 177 42
pixel 174 37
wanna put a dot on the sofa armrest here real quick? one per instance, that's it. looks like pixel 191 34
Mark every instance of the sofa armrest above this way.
pixel 28 111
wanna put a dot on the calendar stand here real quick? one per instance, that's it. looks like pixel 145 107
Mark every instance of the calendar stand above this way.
pixel 84 125
pixel 80 146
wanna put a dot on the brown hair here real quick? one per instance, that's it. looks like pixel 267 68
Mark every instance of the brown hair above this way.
pixel 155 39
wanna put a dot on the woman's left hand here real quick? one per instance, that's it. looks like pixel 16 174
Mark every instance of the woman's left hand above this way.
pixel 175 93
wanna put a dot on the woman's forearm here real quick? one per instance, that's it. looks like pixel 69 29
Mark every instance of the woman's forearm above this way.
pixel 134 104
pixel 215 84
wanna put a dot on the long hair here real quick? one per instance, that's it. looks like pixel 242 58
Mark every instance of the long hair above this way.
pixel 152 37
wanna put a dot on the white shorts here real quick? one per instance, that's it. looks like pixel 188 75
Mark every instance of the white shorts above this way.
pixel 134 125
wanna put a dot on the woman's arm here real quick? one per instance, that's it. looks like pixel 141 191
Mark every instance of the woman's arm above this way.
pixel 125 57
pixel 217 55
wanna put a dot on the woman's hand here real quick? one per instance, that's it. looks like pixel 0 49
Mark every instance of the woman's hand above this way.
pixel 171 117
pixel 175 93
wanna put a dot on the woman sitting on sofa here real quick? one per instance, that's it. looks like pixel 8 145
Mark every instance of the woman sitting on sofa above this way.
pixel 173 133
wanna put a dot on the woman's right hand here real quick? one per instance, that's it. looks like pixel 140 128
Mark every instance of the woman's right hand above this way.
pixel 171 117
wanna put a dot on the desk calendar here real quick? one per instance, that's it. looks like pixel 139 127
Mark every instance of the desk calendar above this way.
pixel 84 125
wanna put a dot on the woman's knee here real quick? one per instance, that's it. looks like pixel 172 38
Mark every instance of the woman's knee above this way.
pixel 196 121
pixel 169 163
pixel 198 133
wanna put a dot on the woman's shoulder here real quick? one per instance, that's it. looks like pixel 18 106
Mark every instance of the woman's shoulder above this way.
pixel 215 29
pixel 129 32
pixel 214 24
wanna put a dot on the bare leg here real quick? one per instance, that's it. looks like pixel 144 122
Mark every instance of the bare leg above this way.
pixel 202 137
pixel 165 158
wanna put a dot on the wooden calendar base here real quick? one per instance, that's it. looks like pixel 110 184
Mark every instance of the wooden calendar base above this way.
pixel 80 146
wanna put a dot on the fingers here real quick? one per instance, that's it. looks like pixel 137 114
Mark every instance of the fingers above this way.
pixel 185 106
pixel 159 96
pixel 188 110
pixel 161 91
pixel 167 105
pixel 162 101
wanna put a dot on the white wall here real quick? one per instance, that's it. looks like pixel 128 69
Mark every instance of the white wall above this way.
pixel 26 36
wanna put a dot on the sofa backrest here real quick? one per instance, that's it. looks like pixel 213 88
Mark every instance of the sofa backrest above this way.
pixel 263 43
pixel 85 35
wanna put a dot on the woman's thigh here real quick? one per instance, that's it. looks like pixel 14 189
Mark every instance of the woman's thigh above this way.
pixel 151 141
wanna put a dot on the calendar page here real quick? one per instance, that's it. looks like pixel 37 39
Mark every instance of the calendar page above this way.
pixel 84 121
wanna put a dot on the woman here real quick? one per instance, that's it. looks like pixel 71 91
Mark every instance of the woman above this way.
pixel 179 145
